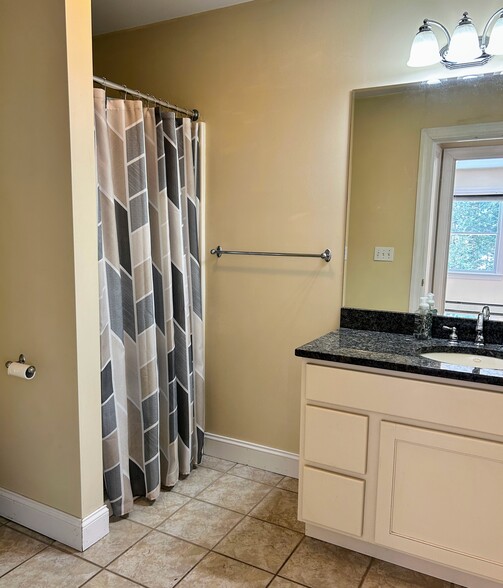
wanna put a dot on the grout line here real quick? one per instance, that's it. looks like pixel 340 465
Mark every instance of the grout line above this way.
pixel 191 569
pixel 243 516
pixel 366 572
pixel 24 561
pixel 252 480
pixel 202 465
pixel 276 524
pixel 153 530
pixel 288 580
pixel 226 507
pixel 202 489
pixel 212 550
pixel 24 530
pixel 79 554
pixel 117 574
pixel 245 563
pixel 249 513
pixel 269 489
pixel 288 559
pixel 164 519
pixel 250 564
pixel 181 539
pixel 229 531
pixel 171 515
pixel 229 471
pixel 126 550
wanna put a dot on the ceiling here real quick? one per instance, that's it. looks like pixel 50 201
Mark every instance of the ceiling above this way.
pixel 115 15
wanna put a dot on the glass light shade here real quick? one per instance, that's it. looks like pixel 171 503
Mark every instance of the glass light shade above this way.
pixel 464 46
pixel 495 46
pixel 424 50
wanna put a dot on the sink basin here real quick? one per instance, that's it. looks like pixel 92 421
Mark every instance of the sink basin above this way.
pixel 466 359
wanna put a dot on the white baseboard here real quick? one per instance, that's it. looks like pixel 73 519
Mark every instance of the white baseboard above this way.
pixel 77 533
pixel 259 456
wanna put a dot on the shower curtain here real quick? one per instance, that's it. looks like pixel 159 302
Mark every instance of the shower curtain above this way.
pixel 152 370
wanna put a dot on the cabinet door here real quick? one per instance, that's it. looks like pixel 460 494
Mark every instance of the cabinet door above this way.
pixel 440 496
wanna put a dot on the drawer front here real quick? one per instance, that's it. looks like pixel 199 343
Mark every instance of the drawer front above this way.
pixel 337 439
pixel 332 501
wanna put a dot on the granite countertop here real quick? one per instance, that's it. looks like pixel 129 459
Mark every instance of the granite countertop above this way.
pixel 401 353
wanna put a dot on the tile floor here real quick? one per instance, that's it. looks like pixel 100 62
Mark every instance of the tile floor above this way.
pixel 225 526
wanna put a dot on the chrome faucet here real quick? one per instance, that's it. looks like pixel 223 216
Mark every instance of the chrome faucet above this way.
pixel 479 328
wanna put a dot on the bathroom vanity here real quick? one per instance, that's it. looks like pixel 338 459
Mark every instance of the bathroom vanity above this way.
pixel 402 457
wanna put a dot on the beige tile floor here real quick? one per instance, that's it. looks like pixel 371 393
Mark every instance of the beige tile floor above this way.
pixel 225 526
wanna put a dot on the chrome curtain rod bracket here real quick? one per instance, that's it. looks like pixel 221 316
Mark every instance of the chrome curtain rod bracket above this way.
pixel 194 114
pixel 326 255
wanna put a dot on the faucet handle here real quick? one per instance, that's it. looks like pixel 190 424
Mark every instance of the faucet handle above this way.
pixel 453 337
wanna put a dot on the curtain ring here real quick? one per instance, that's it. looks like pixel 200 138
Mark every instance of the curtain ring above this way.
pixel 125 91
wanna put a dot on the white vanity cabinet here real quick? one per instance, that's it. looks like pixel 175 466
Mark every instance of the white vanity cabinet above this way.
pixel 407 470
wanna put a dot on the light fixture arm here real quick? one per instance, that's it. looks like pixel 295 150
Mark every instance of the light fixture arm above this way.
pixel 485 36
pixel 428 22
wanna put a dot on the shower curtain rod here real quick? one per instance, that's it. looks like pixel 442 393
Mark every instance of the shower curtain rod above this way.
pixel 194 114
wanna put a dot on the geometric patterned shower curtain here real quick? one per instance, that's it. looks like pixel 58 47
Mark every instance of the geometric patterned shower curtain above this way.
pixel 152 346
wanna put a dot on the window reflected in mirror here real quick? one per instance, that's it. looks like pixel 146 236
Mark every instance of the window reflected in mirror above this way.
pixel 475 260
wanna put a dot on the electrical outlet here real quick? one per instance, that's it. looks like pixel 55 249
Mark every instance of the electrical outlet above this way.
pixel 384 253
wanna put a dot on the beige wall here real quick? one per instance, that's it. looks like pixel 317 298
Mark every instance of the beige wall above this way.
pixel 49 427
pixel 385 156
pixel 272 79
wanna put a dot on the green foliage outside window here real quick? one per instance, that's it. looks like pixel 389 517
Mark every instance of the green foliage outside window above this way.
pixel 474 236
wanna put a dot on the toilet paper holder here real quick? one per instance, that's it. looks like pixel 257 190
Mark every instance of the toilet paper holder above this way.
pixel 30 371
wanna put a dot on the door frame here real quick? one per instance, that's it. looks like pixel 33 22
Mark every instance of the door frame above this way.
pixel 431 150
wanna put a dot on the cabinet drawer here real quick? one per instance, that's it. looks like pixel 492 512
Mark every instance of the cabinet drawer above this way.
pixel 332 501
pixel 337 439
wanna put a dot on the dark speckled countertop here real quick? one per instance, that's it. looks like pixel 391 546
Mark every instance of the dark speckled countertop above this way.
pixel 400 353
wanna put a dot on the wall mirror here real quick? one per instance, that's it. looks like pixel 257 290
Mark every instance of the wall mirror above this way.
pixel 425 210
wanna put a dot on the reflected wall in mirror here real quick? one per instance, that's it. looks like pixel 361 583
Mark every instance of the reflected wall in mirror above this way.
pixel 388 194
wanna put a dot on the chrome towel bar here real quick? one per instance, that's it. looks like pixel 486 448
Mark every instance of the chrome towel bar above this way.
pixel 326 255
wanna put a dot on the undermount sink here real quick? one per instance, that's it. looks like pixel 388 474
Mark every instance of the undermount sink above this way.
pixel 466 359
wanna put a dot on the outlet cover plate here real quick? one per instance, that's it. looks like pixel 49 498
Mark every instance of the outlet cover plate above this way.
pixel 384 253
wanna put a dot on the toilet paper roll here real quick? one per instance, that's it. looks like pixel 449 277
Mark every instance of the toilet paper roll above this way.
pixel 21 370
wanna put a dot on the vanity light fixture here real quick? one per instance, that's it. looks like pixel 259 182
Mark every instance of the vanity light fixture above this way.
pixel 464 49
